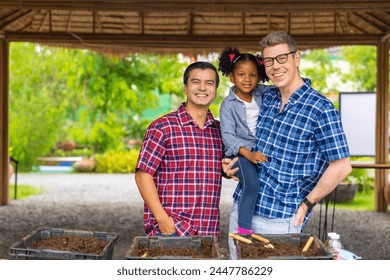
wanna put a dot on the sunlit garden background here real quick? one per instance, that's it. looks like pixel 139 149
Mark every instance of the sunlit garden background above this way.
pixel 96 107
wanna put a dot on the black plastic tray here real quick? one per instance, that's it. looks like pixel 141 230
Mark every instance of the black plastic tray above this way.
pixel 193 242
pixel 22 248
pixel 295 239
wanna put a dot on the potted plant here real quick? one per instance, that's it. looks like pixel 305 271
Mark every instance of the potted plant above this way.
pixel 358 180
pixel 68 145
pixel 84 165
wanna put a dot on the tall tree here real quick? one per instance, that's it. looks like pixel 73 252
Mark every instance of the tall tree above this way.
pixel 115 93
pixel 36 112
pixel 94 99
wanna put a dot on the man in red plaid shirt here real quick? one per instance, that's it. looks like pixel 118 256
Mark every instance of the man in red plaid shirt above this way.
pixel 179 166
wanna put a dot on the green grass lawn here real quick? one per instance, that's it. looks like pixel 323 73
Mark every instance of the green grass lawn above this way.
pixel 363 201
pixel 25 191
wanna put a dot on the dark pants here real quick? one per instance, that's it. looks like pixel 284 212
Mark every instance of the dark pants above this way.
pixel 166 235
pixel 250 183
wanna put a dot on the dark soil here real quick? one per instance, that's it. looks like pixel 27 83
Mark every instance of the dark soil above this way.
pixel 86 245
pixel 257 250
pixel 206 251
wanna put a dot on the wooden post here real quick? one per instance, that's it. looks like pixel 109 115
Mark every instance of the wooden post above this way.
pixel 4 156
pixel 382 123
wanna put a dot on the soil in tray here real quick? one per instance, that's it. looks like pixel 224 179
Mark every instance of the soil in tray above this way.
pixel 256 250
pixel 204 252
pixel 86 245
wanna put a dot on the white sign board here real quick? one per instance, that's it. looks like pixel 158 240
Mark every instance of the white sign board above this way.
pixel 357 110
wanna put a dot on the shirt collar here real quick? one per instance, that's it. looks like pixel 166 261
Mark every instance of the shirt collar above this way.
pixel 186 119
pixel 297 94
pixel 232 96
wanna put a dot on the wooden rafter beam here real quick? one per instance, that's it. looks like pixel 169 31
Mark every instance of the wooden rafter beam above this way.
pixel 180 41
pixel 45 19
pixel 69 21
pixel 141 23
pixel 378 22
pixel 13 16
pixel 50 21
pixel 369 20
pixel 94 22
pixel 351 24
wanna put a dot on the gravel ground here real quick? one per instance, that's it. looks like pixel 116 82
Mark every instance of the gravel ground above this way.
pixel 111 203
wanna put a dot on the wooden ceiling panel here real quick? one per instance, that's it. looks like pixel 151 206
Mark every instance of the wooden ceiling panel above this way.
pixel 200 22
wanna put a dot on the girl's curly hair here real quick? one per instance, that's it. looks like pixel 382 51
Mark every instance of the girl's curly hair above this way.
pixel 231 56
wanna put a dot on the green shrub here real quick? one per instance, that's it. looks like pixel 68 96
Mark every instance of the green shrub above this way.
pixel 117 161
pixel 364 178
pixel 84 152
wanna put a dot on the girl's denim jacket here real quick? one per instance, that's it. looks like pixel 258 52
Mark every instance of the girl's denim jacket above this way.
pixel 234 127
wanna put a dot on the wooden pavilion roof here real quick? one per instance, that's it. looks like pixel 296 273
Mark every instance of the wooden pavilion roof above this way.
pixel 199 26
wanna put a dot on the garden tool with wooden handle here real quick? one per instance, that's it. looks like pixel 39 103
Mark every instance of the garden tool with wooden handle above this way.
pixel 255 236
pixel 308 243
pixel 240 238
pixel 266 242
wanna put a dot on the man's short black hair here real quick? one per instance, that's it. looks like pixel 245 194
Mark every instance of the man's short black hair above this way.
pixel 200 65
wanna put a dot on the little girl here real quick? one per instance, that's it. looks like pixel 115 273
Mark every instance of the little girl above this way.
pixel 238 115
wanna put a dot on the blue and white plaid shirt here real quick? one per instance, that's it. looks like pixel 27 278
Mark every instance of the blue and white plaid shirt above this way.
pixel 299 142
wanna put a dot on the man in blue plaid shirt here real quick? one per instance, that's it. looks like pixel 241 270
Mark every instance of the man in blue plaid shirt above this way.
pixel 300 132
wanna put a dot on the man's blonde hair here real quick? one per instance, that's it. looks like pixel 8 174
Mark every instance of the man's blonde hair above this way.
pixel 277 38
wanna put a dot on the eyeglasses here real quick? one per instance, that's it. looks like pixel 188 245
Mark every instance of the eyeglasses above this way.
pixel 281 59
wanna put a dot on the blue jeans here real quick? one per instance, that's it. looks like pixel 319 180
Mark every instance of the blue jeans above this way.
pixel 249 180
pixel 261 225
pixel 166 235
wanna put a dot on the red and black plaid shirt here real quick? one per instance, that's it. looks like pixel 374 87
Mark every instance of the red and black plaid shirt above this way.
pixel 185 162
